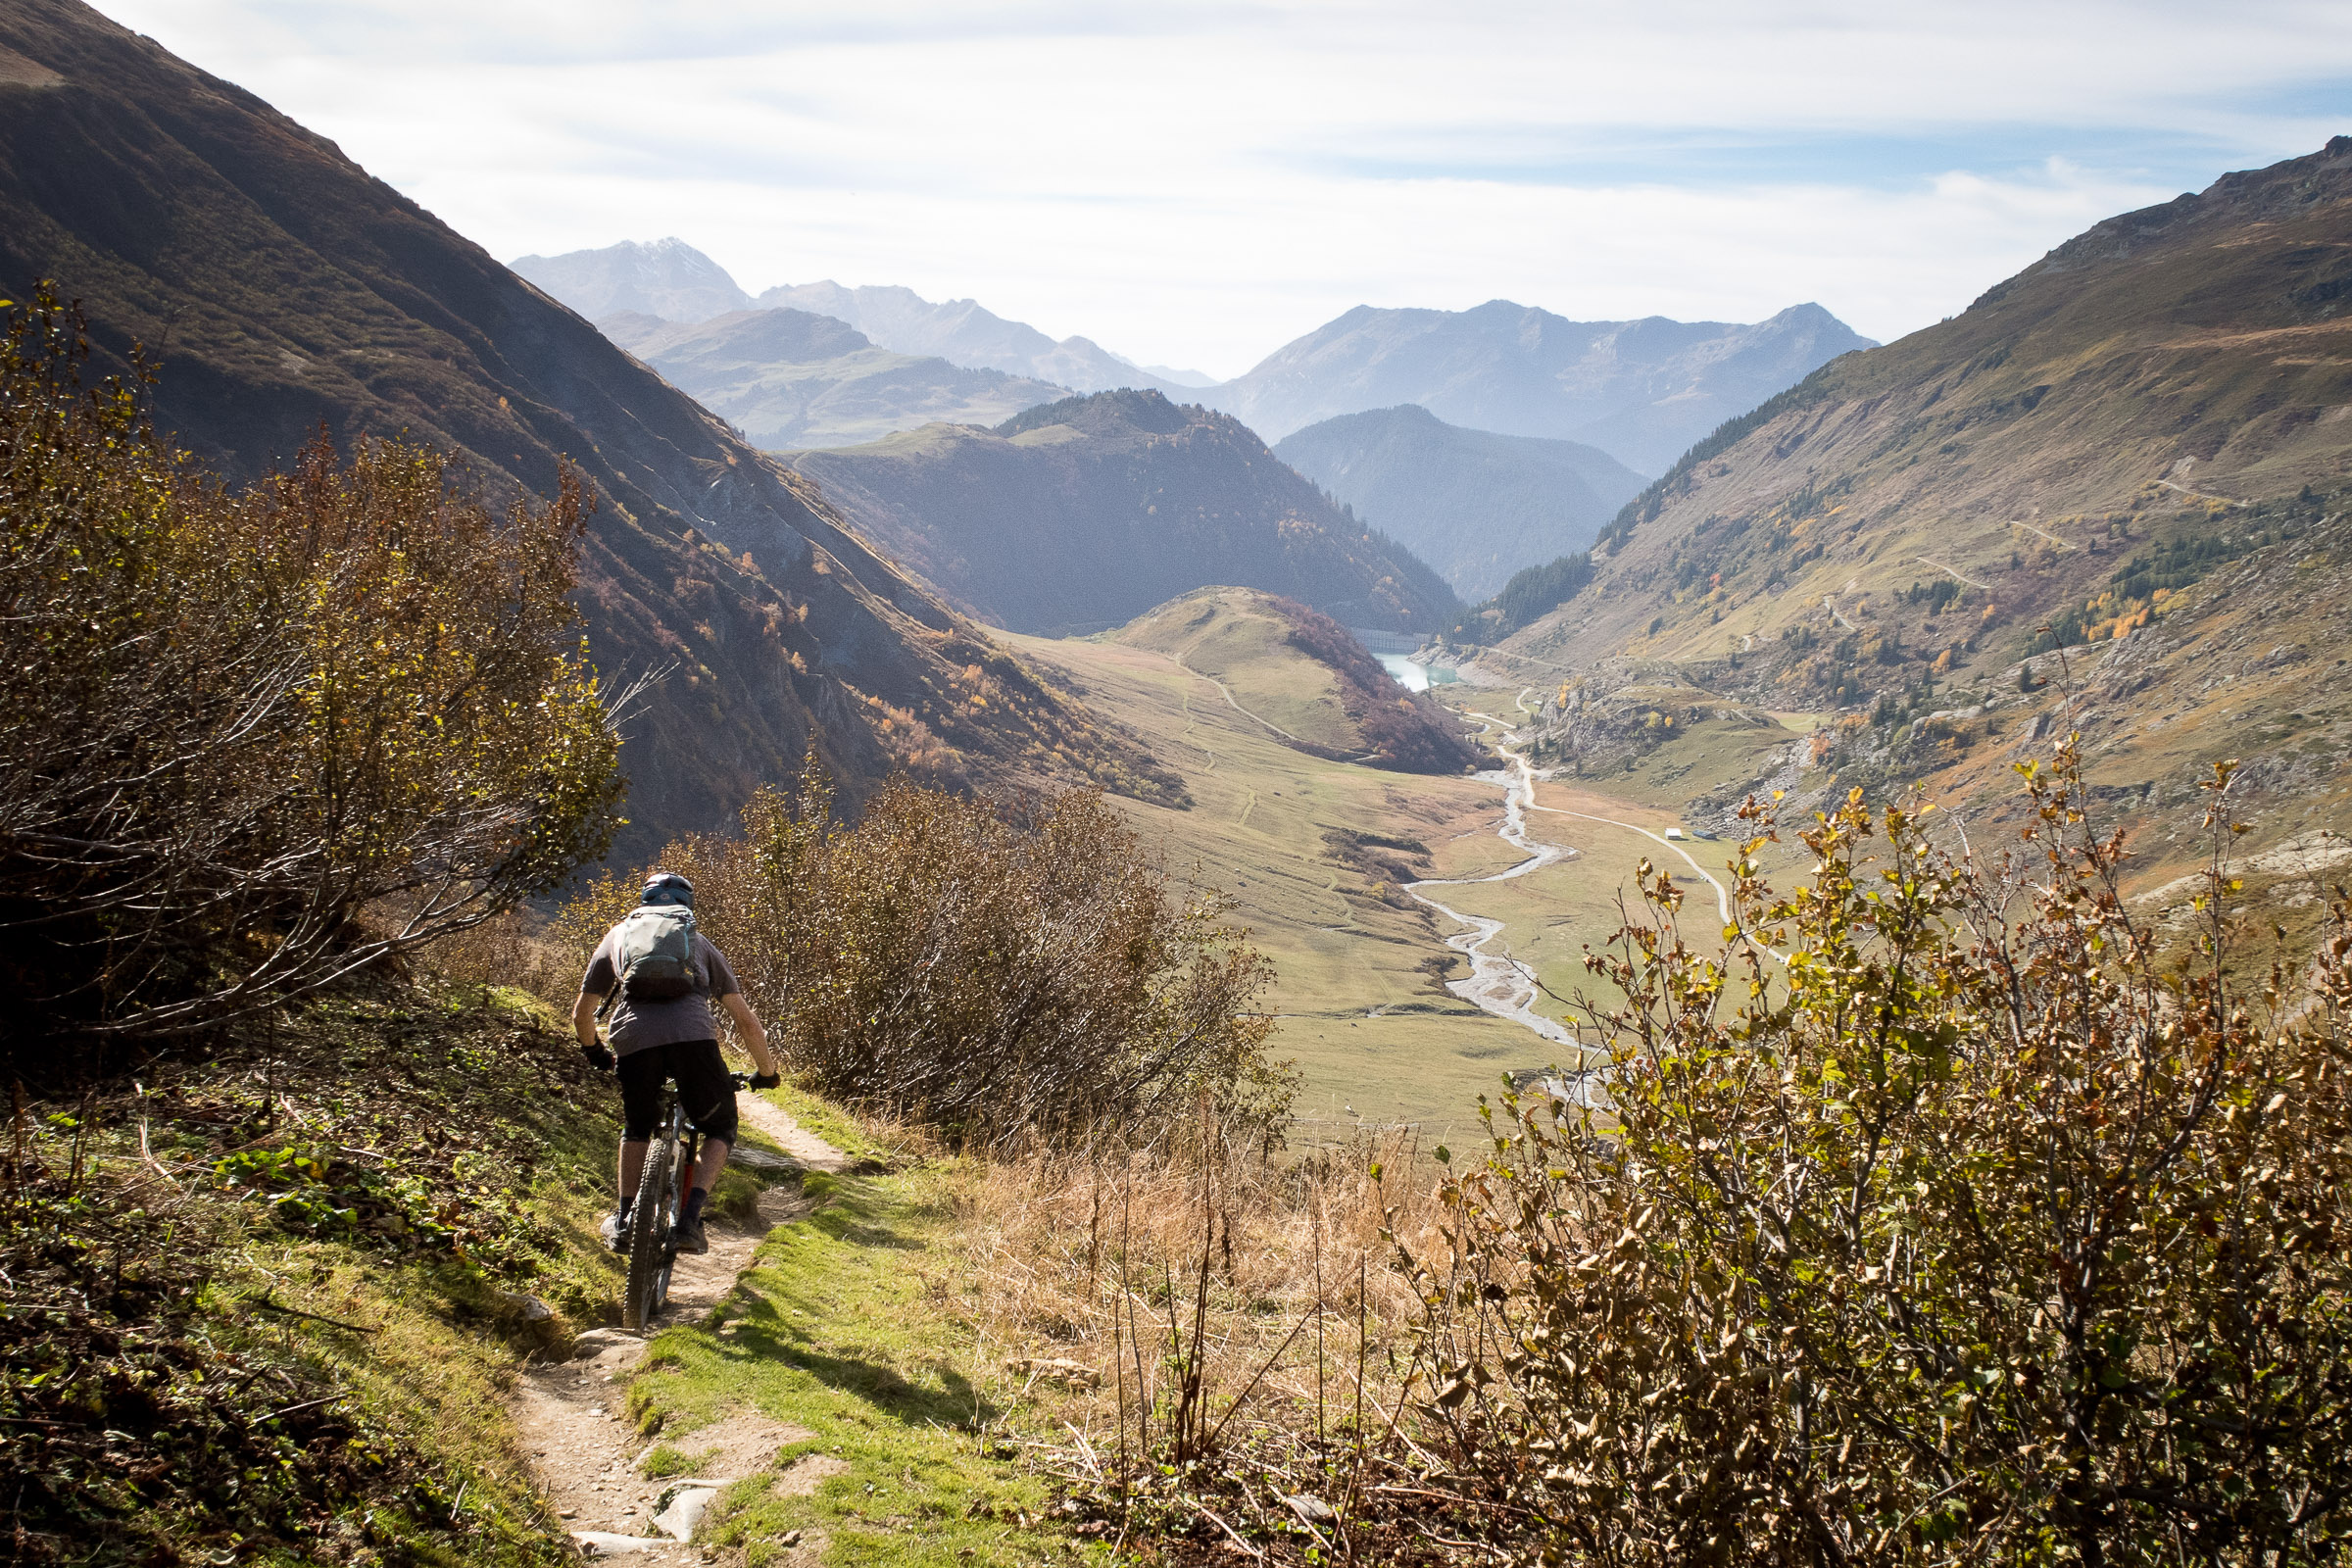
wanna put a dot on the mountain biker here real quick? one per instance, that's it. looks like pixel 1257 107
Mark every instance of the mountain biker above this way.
pixel 673 1037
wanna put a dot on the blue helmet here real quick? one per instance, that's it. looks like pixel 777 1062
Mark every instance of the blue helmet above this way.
pixel 667 887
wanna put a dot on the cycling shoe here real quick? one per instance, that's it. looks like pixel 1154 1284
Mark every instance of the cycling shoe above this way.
pixel 687 1237
pixel 616 1232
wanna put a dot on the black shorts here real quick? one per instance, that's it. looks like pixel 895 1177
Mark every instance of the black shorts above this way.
pixel 705 1089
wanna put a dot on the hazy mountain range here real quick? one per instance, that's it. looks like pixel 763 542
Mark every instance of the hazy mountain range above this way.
pixel 1082 515
pixel 671 279
pixel 962 333
pixel 1641 391
pixel 1476 505
pixel 787 378
pixel 281 288
pixel 666 278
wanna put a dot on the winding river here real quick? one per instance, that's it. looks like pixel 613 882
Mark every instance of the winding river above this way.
pixel 1498 983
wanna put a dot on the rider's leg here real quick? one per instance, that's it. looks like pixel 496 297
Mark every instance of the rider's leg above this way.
pixel 709 1095
pixel 640 1074
pixel 714 1160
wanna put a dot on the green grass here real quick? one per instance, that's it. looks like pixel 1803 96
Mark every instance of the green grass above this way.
pixel 846 1328
pixel 1225 634
pixel 1256 830
pixel 381 1312
pixel 1358 1011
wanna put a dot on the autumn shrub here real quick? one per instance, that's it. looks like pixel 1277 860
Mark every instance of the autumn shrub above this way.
pixel 990 970
pixel 253 738
pixel 1996 1231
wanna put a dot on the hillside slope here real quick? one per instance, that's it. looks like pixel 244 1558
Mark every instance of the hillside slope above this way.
pixel 1084 513
pixel 1305 678
pixel 790 379
pixel 2138 448
pixel 1475 505
pixel 280 289
pixel 1641 391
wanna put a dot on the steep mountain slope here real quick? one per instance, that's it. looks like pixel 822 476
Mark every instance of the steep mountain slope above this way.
pixel 1475 505
pixel 1082 513
pixel 2138 448
pixel 1641 391
pixel 667 279
pixel 281 288
pixel 787 378
pixel 1302 676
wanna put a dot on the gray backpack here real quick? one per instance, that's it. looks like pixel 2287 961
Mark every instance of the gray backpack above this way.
pixel 652 954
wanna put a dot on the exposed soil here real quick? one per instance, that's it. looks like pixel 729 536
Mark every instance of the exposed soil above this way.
pixel 572 1417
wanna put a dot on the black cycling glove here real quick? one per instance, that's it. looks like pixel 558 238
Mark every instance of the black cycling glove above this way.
pixel 765 1080
pixel 600 1056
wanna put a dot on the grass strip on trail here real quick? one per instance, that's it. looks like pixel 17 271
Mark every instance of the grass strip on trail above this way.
pixel 845 1327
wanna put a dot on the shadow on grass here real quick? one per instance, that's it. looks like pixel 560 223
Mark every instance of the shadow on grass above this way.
pixel 808 1311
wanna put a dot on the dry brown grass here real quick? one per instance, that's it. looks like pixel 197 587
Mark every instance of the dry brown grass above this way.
pixel 1236 1318
pixel 511 950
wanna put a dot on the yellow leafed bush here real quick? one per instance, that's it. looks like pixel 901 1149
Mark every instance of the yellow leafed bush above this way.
pixel 1996 1233
pixel 253 738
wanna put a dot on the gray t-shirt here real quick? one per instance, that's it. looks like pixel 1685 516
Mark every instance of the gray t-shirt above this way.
pixel 636 1025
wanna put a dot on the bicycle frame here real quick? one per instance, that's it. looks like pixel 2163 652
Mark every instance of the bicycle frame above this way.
pixel 661 1186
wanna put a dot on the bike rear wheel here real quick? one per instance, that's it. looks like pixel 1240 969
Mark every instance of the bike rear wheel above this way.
pixel 649 1220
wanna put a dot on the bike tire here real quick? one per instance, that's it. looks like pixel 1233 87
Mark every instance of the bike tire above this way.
pixel 649 1238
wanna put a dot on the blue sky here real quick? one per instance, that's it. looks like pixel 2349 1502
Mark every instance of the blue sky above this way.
pixel 1197 185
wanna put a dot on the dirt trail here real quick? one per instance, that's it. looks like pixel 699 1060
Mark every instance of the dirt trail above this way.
pixel 572 1417
pixel 1227 691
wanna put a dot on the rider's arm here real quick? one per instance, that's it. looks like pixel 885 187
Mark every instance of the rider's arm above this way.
pixel 747 1025
pixel 583 1019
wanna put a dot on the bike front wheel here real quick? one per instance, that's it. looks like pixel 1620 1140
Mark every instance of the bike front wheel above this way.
pixel 649 1220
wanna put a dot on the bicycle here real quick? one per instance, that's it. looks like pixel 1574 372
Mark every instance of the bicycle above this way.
pixel 662 1188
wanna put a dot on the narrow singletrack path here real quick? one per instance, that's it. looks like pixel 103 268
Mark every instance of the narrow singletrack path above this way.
pixel 573 1415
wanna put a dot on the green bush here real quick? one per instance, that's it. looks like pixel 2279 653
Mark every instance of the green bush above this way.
pixel 1998 1231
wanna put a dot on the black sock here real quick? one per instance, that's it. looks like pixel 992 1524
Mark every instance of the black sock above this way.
pixel 694 1204
pixel 628 1201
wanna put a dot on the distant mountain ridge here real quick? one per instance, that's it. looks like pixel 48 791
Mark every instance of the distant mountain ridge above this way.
pixel 790 379
pixel 671 279
pixel 281 288
pixel 667 279
pixel 963 334
pixel 1477 506
pixel 1641 391
pixel 1079 516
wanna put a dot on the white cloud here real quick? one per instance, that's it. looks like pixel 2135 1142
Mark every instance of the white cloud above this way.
pixel 1197 185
